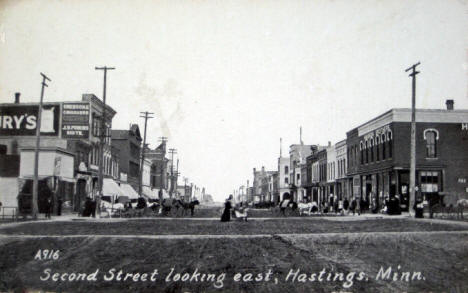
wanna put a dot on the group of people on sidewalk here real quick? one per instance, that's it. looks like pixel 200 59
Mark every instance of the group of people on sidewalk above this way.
pixel 238 211
pixel 355 205
pixel 341 206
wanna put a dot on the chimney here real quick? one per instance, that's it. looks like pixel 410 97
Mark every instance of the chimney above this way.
pixel 255 170
pixel 263 169
pixel 449 104
pixel 17 98
pixel 329 143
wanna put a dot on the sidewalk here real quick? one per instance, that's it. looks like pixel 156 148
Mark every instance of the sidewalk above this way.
pixel 73 217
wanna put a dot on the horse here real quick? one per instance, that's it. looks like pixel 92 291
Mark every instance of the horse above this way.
pixel 166 206
pixel 307 208
pixel 450 204
pixel 187 205
pixel 460 206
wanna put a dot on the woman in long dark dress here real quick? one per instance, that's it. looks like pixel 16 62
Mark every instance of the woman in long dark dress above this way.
pixel 226 216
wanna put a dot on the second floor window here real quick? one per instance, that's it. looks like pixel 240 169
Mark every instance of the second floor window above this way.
pixel 286 169
pixel 286 180
pixel 431 146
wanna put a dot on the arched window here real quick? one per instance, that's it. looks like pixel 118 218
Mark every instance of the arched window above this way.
pixel 377 148
pixel 361 147
pixel 367 152
pixel 431 145
pixel 384 154
pixel 390 148
pixel 389 135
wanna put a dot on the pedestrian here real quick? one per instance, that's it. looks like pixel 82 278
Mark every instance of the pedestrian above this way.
pixel 375 206
pixel 325 208
pixel 48 207
pixel 59 205
pixel 418 207
pixel 353 206
pixel 358 206
pixel 346 205
pixel 340 207
pixel 93 208
pixel 226 216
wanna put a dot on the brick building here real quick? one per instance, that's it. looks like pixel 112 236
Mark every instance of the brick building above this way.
pixel 129 143
pixel 379 155
pixel 70 128
pixel 160 169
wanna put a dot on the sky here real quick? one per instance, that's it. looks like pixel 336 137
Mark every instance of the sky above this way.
pixel 227 79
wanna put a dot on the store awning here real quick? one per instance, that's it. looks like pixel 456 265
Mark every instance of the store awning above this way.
pixel 111 188
pixel 165 194
pixel 148 193
pixel 128 190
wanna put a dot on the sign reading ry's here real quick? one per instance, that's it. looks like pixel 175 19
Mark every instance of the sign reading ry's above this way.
pixel 22 119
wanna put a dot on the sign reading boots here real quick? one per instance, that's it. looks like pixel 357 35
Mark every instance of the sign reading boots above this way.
pixel 75 120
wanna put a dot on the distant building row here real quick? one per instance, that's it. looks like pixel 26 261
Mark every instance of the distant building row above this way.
pixel 373 161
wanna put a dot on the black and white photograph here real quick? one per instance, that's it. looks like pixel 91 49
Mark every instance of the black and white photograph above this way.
pixel 234 146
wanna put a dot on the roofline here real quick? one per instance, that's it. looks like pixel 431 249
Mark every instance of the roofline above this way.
pixel 31 104
pixel 393 110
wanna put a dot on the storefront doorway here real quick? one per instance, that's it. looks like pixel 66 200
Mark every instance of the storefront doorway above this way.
pixel 404 190
pixel 80 197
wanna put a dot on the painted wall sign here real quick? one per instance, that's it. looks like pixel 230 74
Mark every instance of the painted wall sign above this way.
pixel 21 120
pixel 75 120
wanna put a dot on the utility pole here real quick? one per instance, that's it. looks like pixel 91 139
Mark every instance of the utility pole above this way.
pixel 176 174
pixel 413 138
pixel 102 137
pixel 36 150
pixel 172 152
pixel 146 115
pixel 185 190
pixel 163 140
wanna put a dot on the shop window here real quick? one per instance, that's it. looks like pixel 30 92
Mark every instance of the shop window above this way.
pixel 429 181
pixel 431 143
pixel 3 149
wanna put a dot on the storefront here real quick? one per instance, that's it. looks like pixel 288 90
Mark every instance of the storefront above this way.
pixel 55 169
